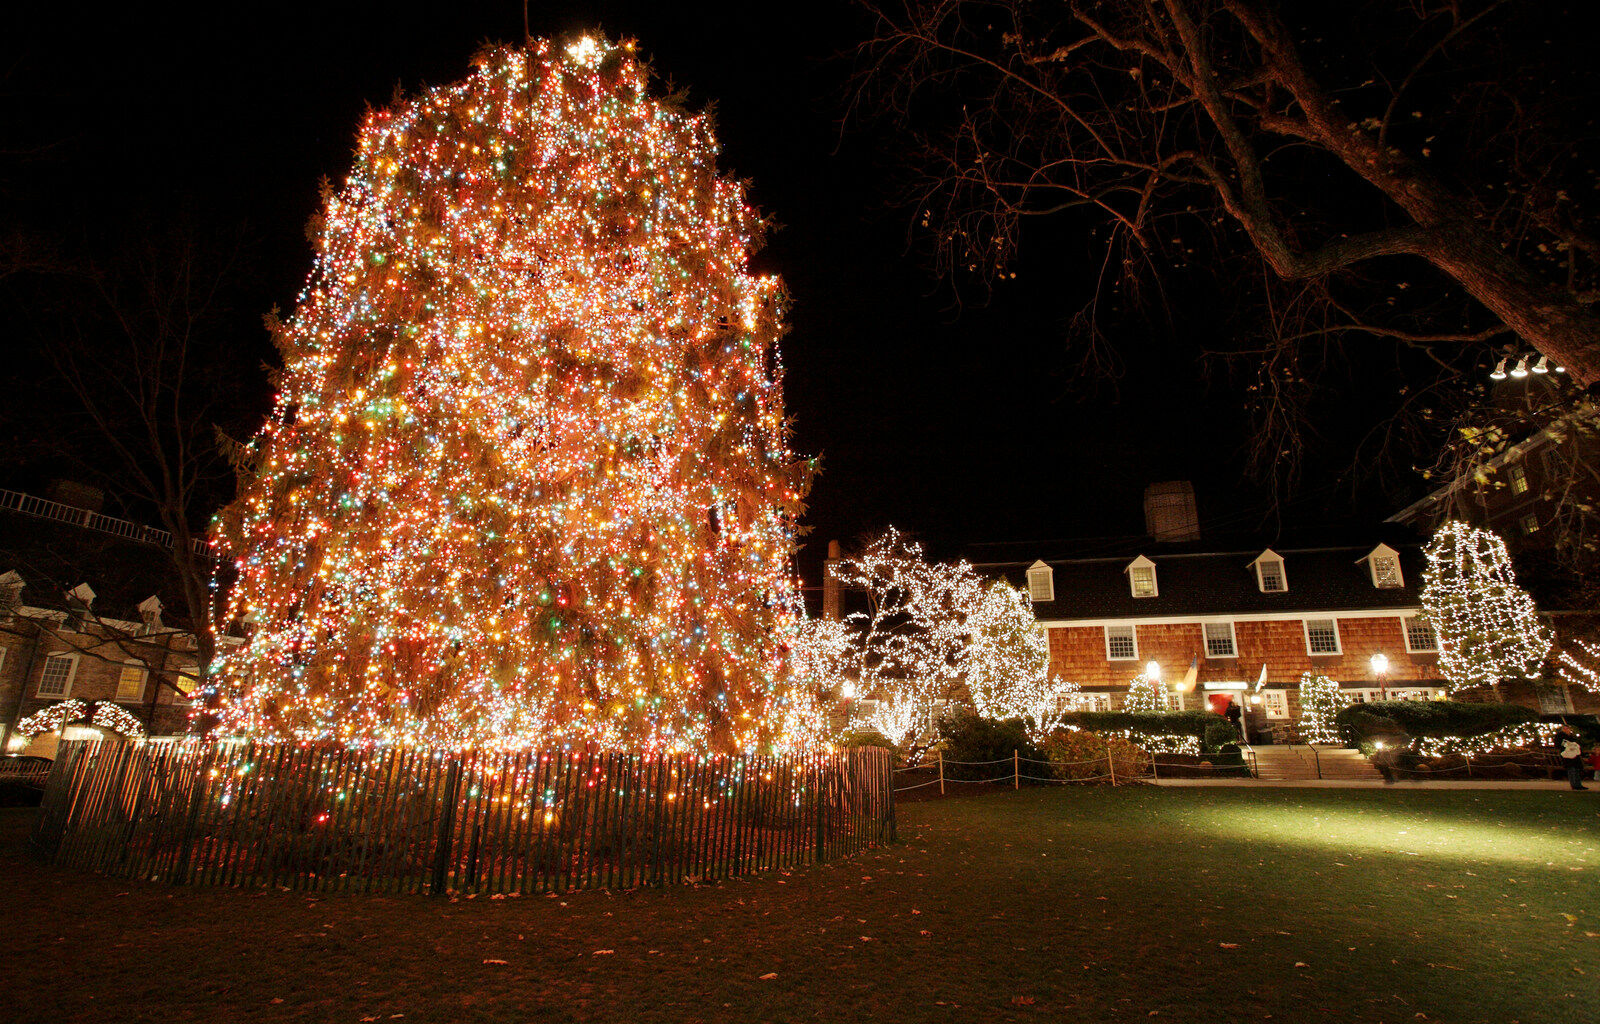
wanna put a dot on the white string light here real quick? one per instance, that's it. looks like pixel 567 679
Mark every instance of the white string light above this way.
pixel 1487 627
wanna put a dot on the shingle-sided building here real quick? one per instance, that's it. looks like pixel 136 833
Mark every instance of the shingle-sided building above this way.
pixel 1218 623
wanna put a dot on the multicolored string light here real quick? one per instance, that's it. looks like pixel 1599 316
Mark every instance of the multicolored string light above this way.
pixel 528 480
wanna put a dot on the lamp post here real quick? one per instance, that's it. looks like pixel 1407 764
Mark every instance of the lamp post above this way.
pixel 1380 669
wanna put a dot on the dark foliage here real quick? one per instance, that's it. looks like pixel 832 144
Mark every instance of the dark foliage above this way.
pixel 1418 718
pixel 972 738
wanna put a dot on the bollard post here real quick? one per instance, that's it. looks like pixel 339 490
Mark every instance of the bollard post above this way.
pixel 1016 773
pixel 941 773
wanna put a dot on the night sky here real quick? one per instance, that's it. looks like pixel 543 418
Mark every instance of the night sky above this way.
pixel 962 424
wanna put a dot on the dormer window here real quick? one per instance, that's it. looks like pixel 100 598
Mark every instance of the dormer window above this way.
pixel 1384 564
pixel 1041 582
pixel 1142 577
pixel 1270 576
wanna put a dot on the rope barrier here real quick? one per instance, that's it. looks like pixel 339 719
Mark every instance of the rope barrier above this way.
pixel 904 789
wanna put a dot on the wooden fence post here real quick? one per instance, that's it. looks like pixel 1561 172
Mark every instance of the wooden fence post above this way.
pixel 1111 763
pixel 447 818
pixel 1016 771
pixel 941 772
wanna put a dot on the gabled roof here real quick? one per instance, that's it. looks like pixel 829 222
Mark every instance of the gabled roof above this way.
pixel 1218 583
pixel 1268 555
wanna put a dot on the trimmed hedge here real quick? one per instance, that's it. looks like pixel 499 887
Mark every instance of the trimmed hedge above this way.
pixel 1211 729
pixel 971 738
pixel 1417 718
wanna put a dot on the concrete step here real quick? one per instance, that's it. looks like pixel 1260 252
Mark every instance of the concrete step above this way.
pixel 1297 763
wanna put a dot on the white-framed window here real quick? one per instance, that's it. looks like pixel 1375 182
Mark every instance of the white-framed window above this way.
pixel 1384 563
pixel 1219 640
pixel 1322 636
pixel 1529 524
pixel 130 682
pixel 56 678
pixel 1386 572
pixel 1091 702
pixel 1121 644
pixel 1554 699
pixel 1519 480
pixel 1041 582
pixel 1276 702
pixel 188 681
pixel 1420 637
pixel 1270 576
pixel 1142 577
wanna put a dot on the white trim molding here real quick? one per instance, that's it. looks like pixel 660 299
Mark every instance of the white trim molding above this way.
pixel 1309 613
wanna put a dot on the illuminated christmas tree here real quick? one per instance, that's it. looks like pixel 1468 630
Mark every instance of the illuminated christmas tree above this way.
pixel 1321 700
pixel 1146 695
pixel 1487 626
pixel 528 479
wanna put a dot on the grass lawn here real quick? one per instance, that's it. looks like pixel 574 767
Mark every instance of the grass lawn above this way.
pixel 1202 905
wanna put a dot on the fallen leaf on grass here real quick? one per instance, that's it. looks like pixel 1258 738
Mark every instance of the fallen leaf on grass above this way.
pixel 494 961
pixel 1021 1000
pixel 866 938
pixel 1301 963
pixel 604 952
pixel 1228 945
pixel 769 977
pixel 926 932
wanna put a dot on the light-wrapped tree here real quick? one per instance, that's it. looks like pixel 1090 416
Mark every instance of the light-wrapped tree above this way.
pixel 528 479
pixel 1146 694
pixel 1321 700
pixel 1487 626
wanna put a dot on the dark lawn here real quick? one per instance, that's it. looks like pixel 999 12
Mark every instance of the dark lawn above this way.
pixel 1205 905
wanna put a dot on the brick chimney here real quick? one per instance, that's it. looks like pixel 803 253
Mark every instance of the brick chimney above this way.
pixel 1169 511
pixel 830 582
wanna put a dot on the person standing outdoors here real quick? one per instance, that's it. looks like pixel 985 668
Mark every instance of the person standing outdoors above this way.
pixel 1571 753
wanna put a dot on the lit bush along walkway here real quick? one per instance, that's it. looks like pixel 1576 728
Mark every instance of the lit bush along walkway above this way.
pixel 1049 904
pixel 414 820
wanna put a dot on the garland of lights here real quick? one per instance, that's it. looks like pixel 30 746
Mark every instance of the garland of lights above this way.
pixel 528 480
pixel 53 717
pixel 1511 737
pixel 1321 700
pixel 116 718
pixel 1487 627
pixel 1583 672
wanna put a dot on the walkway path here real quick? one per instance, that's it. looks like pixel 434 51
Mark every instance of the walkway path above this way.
pixel 1544 784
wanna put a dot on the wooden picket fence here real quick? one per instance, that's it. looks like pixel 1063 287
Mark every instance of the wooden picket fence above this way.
pixel 408 820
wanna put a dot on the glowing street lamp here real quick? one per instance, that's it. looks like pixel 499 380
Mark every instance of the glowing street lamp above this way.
pixel 1380 669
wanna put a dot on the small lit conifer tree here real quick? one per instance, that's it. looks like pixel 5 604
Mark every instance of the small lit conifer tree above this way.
pixel 1320 703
